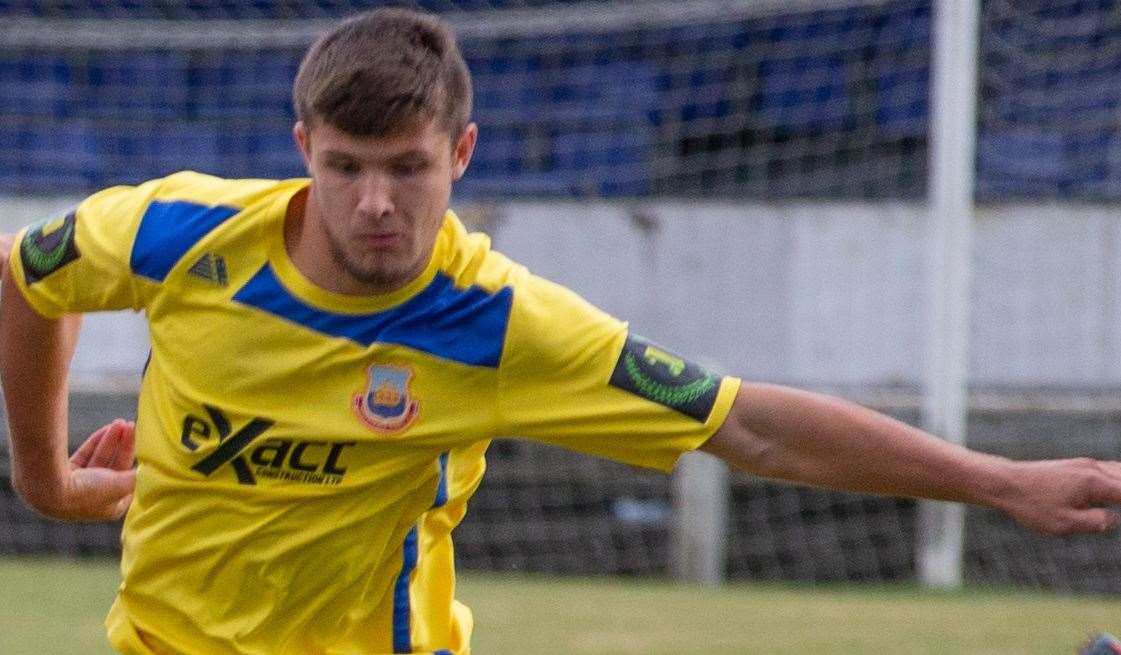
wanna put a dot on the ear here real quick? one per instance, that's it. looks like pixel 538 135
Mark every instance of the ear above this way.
pixel 303 142
pixel 464 148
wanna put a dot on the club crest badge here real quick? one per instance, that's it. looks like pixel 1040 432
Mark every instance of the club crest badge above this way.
pixel 386 404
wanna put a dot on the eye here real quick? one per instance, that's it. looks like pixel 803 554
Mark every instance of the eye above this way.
pixel 407 168
pixel 344 166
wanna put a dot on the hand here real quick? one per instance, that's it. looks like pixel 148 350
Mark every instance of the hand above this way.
pixel 101 477
pixel 1065 497
pixel 5 248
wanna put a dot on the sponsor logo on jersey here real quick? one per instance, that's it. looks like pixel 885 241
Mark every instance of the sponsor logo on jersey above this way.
pixel 211 268
pixel 386 404
pixel 648 371
pixel 48 247
pixel 252 455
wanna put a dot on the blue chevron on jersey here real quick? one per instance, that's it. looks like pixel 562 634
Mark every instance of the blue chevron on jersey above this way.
pixel 168 230
pixel 462 325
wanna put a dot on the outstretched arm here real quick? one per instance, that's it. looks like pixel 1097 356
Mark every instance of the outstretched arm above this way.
pixel 35 355
pixel 783 433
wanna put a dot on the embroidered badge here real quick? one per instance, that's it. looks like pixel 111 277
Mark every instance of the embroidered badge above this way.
pixel 48 247
pixel 386 404
pixel 645 370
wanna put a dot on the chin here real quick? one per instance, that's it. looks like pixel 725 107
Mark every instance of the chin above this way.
pixel 380 277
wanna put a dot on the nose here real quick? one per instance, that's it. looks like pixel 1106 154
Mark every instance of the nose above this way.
pixel 375 195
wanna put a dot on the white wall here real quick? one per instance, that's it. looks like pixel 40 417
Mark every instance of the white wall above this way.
pixel 833 294
pixel 113 345
pixel 817 294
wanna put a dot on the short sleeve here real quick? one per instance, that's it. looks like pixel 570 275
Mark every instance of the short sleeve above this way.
pixel 573 376
pixel 79 261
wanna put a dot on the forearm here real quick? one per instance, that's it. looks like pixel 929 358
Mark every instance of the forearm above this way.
pixel 813 439
pixel 35 356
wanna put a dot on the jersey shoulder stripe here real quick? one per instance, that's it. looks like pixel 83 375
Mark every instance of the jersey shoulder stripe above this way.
pixel 462 325
pixel 183 208
pixel 168 229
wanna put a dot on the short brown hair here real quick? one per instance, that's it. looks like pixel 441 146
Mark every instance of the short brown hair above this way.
pixel 383 71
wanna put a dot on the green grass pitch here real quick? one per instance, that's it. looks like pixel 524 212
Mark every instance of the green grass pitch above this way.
pixel 49 607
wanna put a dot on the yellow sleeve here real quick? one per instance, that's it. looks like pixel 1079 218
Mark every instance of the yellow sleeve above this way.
pixel 79 262
pixel 572 376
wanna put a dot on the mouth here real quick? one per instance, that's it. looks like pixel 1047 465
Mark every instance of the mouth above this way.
pixel 378 240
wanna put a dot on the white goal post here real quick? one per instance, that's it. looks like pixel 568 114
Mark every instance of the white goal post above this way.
pixel 941 526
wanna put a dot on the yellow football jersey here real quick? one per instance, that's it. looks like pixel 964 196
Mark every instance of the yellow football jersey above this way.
pixel 303 455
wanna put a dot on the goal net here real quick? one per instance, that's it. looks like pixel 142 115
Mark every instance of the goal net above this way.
pixel 762 104
pixel 572 98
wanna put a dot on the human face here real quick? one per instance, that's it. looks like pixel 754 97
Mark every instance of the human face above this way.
pixel 376 204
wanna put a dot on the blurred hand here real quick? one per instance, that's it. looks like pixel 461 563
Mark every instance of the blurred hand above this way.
pixel 1065 497
pixel 101 477
pixel 5 248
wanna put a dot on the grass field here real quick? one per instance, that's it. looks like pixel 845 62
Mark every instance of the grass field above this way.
pixel 49 607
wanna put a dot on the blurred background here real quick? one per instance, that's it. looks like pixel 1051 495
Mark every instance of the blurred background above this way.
pixel 747 183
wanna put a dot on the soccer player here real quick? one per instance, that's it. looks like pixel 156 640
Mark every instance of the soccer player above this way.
pixel 331 358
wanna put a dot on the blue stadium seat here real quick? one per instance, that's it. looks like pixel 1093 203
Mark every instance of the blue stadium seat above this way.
pixel 123 9
pixel 207 9
pixel 608 164
pixel 902 102
pixel 901 26
pixel 807 89
pixel 900 51
pixel 134 153
pixel 1059 96
pixel 605 148
pixel 35 84
pixel 507 89
pixel 52 157
pixel 258 150
pixel 584 128
pixel 706 91
pixel 803 92
pixel 244 84
pixel 136 85
pixel 512 160
pixel 498 151
pixel 620 90
pixel 1023 162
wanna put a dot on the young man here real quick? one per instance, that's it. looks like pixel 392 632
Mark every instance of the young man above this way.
pixel 330 359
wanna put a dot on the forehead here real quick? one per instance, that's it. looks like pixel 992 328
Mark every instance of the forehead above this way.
pixel 425 138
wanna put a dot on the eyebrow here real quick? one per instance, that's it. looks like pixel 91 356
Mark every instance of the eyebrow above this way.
pixel 408 154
